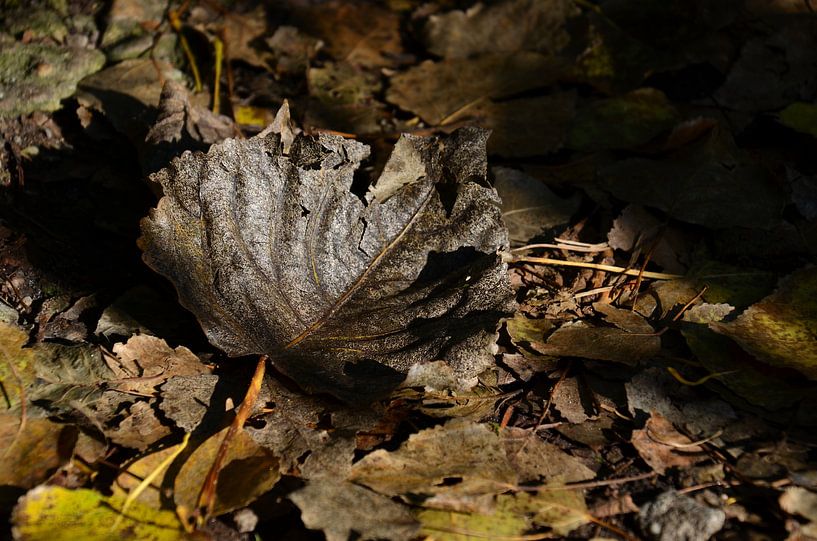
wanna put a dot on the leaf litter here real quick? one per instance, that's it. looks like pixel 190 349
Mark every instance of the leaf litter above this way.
pixel 594 322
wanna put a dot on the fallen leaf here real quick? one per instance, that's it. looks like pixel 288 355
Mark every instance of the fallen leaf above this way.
pixel 322 275
pixel 636 227
pixel 602 343
pixel 711 183
pixel 249 470
pixel 51 513
pixel 662 446
pixel 32 452
pixel 801 502
pixel 622 122
pixel 145 362
pixel 460 456
pixel 437 91
pixel 773 70
pixel 356 32
pixel 538 25
pixel 801 117
pixel 780 329
pixel 505 522
pixel 340 508
pixel 140 427
pixel 292 50
pixel 537 461
pixel 571 402
pixel 523 127
pixel 529 207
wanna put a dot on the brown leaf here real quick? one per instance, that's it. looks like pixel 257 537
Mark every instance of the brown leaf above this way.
pixel 324 265
pixel 441 91
pixel 662 446
pixel 538 25
pixel 339 508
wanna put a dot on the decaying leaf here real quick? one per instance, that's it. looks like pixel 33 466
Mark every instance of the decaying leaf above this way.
pixel 622 122
pixel 662 446
pixel 623 345
pixel 529 207
pixel 436 91
pixel 711 183
pixel 275 255
pixel 538 461
pixel 340 508
pixel 538 25
pixel 460 456
pixel 33 451
pixel 802 502
pixel 51 513
pixel 144 362
pixel 780 329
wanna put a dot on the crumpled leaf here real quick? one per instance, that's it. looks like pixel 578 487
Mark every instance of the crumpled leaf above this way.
pixel 438 90
pixel 459 457
pixel 36 76
pixel 538 25
pixel 340 508
pixel 662 446
pixel 711 183
pixel 529 207
pixel 780 329
pixel 802 502
pixel 275 255
pixel 52 513
pixel 148 362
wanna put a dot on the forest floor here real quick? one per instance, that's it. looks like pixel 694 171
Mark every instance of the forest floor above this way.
pixel 653 374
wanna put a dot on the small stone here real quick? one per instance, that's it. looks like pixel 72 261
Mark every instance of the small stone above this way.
pixel 674 517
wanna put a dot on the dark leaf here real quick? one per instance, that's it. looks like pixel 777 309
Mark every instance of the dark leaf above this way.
pixel 276 255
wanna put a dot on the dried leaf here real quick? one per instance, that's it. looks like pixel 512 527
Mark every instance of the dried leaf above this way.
pixel 529 207
pixel 780 329
pixel 340 508
pixel 622 122
pixel 662 446
pixel 711 183
pixel 602 343
pixel 460 457
pixel 33 451
pixel 249 470
pixel 357 32
pixel 538 25
pixel 538 461
pixel 145 362
pixel 275 255
pixel 51 513
pixel 436 91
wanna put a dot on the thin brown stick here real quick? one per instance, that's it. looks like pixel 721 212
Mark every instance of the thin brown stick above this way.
pixel 207 496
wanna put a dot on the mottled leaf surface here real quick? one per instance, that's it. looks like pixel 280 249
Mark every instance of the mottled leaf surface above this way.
pixel 276 255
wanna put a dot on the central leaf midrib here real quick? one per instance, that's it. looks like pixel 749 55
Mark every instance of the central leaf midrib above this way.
pixel 321 321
